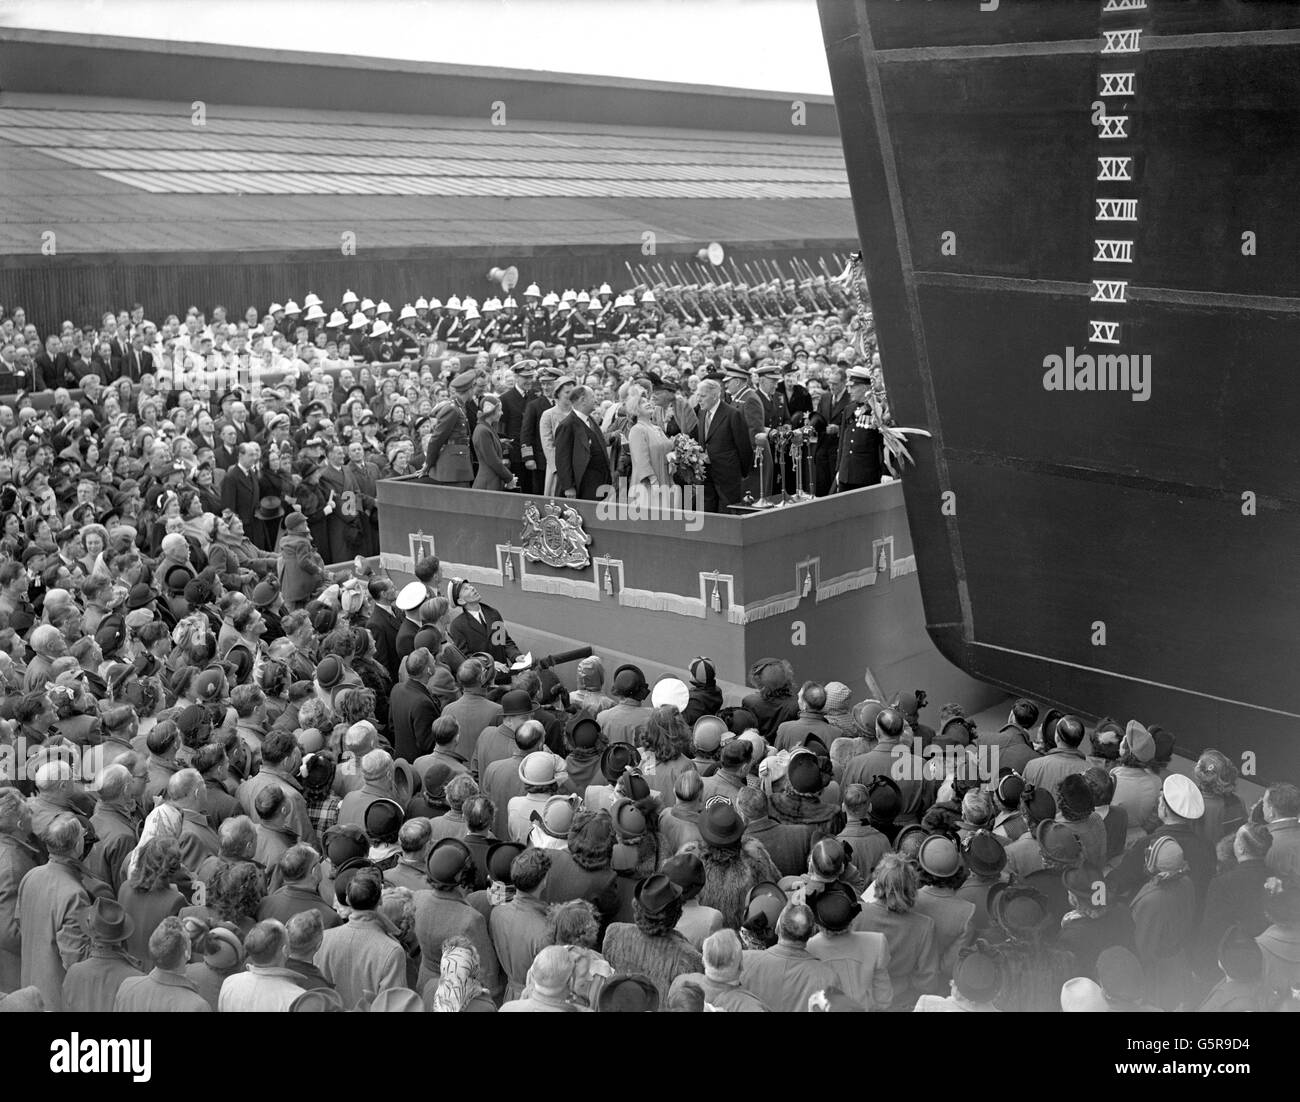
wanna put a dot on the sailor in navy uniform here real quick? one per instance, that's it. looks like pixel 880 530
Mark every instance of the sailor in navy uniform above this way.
pixel 861 458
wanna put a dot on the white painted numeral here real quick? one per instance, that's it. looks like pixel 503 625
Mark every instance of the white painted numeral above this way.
pixel 1121 42
pixel 1113 126
pixel 1117 84
pixel 1104 332
pixel 1117 210
pixel 1114 168
pixel 1113 252
pixel 1110 290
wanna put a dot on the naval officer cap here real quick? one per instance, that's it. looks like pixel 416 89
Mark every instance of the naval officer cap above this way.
pixel 858 375
pixel 736 371
pixel 412 596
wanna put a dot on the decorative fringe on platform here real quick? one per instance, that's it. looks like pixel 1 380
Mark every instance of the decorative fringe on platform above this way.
pixel 662 602
pixel 846 583
pixel 903 566
pixel 568 587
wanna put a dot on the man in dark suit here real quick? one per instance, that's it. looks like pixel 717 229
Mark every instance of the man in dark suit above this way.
pixel 725 437
pixel 137 361
pixel 412 708
pixel 831 405
pixel 239 488
pixel 513 404
pixel 581 457
pixel 383 624
pixel 479 627
pixel 45 375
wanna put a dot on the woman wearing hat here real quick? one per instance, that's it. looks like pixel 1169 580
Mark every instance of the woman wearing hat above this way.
pixel 650 945
pixel 1216 777
pixel 493 469
pixel 650 449
pixel 1164 921
pixel 733 861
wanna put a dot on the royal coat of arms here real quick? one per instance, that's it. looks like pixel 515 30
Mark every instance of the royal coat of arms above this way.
pixel 554 535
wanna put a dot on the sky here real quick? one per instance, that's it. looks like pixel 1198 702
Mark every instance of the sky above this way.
pixel 766 44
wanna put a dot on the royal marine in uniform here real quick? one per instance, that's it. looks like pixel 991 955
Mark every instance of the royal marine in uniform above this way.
pixel 861 457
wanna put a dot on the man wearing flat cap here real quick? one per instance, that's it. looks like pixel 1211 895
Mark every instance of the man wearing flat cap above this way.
pixel 447 462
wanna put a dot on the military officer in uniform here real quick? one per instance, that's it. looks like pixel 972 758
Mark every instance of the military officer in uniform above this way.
pixel 746 399
pixel 513 404
pixel 530 440
pixel 776 414
pixel 448 460
pixel 861 447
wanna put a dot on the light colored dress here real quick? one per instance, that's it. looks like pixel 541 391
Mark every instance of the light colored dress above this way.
pixel 546 426
pixel 650 448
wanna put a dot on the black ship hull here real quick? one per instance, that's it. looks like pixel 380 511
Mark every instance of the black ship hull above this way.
pixel 1118 537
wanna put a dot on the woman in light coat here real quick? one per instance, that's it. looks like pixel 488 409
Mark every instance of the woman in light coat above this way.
pixel 493 470
pixel 649 447
pixel 550 420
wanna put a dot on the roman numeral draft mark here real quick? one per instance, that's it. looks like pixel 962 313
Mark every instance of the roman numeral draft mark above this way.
pixel 1121 42
pixel 1117 210
pixel 1117 84
pixel 1104 332
pixel 1110 290
pixel 1113 252
pixel 1113 6
pixel 1114 168
pixel 1113 126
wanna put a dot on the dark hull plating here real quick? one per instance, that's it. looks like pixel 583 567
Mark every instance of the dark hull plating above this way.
pixel 1136 558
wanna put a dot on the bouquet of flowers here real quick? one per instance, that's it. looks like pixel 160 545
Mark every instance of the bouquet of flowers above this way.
pixel 688 460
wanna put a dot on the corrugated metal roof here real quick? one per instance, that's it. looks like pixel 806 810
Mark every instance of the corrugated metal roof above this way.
pixel 109 178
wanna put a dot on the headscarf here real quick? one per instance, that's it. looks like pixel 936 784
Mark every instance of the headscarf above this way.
pixel 164 821
pixel 458 983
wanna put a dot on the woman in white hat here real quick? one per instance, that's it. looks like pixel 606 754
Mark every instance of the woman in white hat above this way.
pixel 493 470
